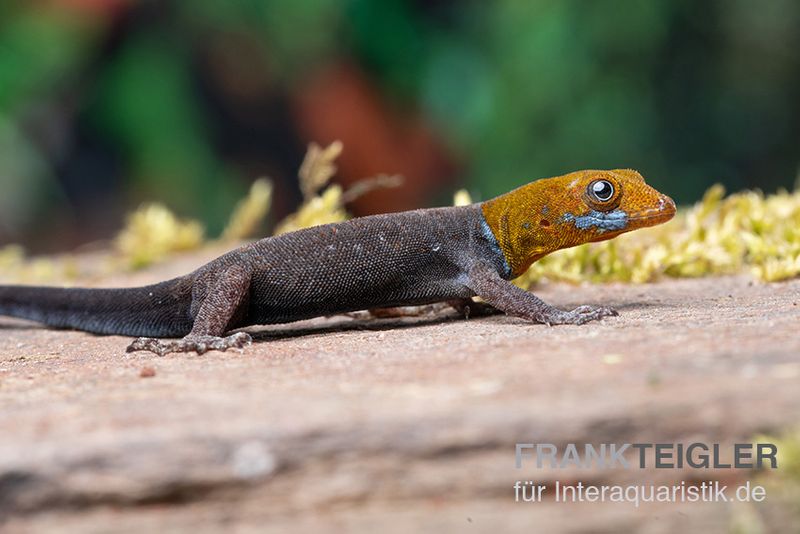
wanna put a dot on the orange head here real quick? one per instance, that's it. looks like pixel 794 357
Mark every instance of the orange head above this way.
pixel 580 207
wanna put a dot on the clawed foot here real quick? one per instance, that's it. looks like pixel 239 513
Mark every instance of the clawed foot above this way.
pixel 191 343
pixel 580 315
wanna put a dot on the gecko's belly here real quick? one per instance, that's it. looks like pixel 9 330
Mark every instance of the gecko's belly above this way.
pixel 282 304
pixel 396 259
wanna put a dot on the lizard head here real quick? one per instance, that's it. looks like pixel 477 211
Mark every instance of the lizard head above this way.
pixel 581 207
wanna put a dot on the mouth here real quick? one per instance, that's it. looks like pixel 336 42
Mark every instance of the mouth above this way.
pixel 665 211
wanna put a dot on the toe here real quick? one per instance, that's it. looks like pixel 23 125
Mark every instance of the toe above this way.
pixel 242 339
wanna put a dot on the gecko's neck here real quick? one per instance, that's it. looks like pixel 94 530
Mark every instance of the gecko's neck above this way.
pixel 522 222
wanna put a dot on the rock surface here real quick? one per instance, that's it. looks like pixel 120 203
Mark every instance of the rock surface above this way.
pixel 397 425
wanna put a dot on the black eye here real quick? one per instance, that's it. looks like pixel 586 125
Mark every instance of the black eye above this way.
pixel 602 190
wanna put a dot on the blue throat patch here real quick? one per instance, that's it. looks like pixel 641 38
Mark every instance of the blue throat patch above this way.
pixel 490 237
pixel 603 221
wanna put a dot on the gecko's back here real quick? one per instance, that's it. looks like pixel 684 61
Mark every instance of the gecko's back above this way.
pixel 403 258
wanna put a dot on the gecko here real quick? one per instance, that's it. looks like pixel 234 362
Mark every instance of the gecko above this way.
pixel 424 256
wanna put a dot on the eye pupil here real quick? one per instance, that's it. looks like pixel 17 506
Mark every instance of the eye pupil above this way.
pixel 602 190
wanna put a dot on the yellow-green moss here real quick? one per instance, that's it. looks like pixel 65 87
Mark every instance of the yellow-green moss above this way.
pixel 152 232
pixel 250 212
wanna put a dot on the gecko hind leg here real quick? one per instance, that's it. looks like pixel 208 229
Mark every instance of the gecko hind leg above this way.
pixel 463 306
pixel 191 343
pixel 472 308
pixel 222 299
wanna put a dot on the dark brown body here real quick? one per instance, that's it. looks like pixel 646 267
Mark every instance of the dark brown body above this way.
pixel 407 258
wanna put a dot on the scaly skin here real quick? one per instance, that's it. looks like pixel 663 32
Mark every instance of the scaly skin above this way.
pixel 547 215
pixel 409 258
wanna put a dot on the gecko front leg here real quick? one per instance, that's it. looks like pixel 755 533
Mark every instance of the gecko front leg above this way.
pixel 502 294
pixel 223 300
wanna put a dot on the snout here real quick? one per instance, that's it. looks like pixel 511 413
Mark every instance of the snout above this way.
pixel 666 206
pixel 661 211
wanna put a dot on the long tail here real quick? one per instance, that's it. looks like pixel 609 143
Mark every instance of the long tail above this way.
pixel 160 310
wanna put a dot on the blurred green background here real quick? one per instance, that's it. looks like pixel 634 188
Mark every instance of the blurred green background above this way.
pixel 107 103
